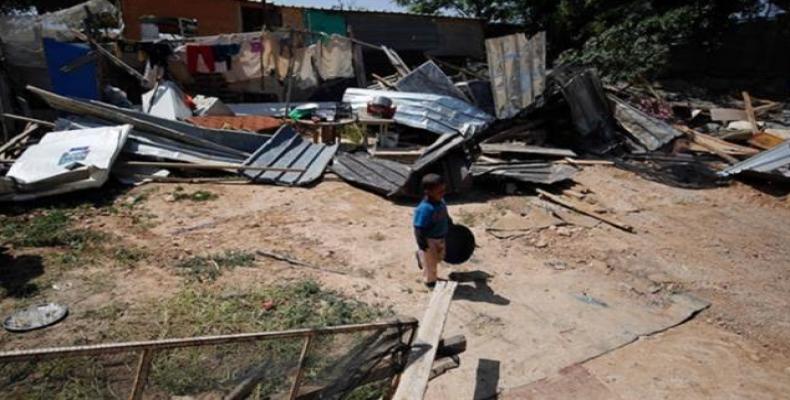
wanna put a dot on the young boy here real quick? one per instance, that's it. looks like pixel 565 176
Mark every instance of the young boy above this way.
pixel 431 223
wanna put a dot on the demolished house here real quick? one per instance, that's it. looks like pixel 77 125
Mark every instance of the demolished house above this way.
pixel 288 104
pixel 509 120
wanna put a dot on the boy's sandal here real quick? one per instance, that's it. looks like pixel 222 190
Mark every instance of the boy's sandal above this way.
pixel 432 285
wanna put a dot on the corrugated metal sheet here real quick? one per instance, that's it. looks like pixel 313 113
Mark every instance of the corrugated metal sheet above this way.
pixel 439 114
pixel 775 160
pixel 652 133
pixel 146 144
pixel 591 112
pixel 400 32
pixel 232 143
pixel 381 176
pixel 517 68
pixel 429 78
pixel 446 156
pixel 541 173
pixel 288 149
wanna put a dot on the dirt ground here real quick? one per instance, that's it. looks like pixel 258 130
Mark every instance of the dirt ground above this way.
pixel 728 246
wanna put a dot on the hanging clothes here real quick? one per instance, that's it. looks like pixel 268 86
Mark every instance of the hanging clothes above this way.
pixel 271 52
pixel 305 74
pixel 200 59
pixel 334 58
pixel 248 62
pixel 223 56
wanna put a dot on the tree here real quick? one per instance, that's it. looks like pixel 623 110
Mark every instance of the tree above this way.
pixel 624 38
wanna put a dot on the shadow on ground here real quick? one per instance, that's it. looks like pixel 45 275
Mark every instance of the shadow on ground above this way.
pixel 16 272
pixel 478 291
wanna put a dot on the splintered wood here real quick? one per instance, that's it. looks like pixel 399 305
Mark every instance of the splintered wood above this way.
pixel 414 380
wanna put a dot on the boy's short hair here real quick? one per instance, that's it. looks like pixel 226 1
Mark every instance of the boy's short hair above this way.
pixel 431 181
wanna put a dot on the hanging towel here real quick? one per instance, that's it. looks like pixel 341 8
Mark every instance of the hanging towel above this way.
pixel 200 59
pixel 247 64
pixel 334 58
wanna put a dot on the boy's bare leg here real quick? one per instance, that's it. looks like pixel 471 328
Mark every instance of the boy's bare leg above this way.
pixel 431 257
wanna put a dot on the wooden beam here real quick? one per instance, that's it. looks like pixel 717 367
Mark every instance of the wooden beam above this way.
pixel 747 100
pixel 28 119
pixel 574 161
pixel 583 208
pixel 414 380
pixel 30 128
pixel 106 53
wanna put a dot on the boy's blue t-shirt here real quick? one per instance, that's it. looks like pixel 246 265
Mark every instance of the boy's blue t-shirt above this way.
pixel 432 217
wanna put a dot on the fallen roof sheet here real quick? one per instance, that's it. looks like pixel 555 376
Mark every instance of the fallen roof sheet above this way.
pixel 66 161
pixel 232 143
pixel 652 133
pixel 150 145
pixel 437 150
pixel 496 148
pixel 429 78
pixel 252 123
pixel 288 149
pixel 591 112
pixel 774 160
pixel 439 114
pixel 542 173
pixel 385 177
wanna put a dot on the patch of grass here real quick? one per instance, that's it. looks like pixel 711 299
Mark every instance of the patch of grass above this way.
pixel 199 311
pixel 209 268
pixel 48 229
pixel 353 133
pixel 128 256
pixel 201 195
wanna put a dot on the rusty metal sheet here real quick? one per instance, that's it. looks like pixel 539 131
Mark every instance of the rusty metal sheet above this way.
pixel 252 123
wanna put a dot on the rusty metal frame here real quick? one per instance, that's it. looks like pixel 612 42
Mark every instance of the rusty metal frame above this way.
pixel 148 349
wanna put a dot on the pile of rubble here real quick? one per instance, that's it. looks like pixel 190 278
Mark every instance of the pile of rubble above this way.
pixel 510 122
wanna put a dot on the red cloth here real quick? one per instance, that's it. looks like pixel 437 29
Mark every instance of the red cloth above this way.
pixel 195 51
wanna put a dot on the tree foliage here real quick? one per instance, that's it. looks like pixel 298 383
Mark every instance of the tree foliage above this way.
pixel 624 38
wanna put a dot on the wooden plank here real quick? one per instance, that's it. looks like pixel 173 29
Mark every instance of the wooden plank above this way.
pixel 574 161
pixel 414 380
pixel 747 100
pixel 721 148
pixel 765 140
pixel 727 114
pixel 28 119
pixel 585 209
pixel 30 128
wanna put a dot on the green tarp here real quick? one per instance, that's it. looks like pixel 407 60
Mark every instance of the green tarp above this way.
pixel 319 21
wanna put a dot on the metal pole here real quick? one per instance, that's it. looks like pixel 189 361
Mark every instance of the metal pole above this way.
pixel 300 369
pixel 115 348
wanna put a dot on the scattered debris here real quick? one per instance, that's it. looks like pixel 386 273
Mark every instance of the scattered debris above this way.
pixel 35 317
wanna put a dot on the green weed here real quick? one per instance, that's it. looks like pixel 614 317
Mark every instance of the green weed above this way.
pixel 209 268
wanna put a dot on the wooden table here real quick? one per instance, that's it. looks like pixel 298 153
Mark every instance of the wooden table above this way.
pixel 324 131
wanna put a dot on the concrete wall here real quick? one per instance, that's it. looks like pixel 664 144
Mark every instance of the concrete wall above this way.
pixel 214 16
